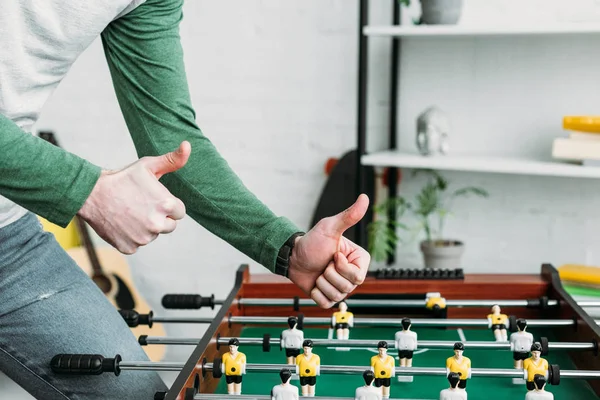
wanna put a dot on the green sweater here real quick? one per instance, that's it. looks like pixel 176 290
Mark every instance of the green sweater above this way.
pixel 145 59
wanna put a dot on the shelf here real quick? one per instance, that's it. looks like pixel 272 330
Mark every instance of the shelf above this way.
pixel 458 30
pixel 504 165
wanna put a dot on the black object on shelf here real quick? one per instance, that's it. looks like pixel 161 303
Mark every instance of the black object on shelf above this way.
pixel 417 273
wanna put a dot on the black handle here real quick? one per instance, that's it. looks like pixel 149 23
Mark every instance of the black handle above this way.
pixel 85 364
pixel 187 301
pixel 133 318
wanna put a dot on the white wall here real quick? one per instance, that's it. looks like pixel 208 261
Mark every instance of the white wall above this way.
pixel 274 86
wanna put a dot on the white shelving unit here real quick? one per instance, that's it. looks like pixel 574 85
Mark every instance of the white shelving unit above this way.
pixel 457 30
pixel 504 165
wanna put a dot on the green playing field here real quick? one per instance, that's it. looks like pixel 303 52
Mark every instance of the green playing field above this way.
pixel 423 387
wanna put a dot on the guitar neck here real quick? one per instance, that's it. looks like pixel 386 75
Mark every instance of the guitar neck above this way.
pixel 86 239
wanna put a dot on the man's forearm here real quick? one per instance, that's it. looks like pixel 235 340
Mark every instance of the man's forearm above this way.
pixel 42 177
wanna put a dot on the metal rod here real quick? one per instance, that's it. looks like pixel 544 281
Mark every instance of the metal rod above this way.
pixel 430 344
pixel 151 366
pixel 588 303
pixel 391 303
pixel 364 321
pixel 211 396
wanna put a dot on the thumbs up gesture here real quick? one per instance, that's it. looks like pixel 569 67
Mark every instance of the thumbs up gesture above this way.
pixel 327 265
pixel 130 208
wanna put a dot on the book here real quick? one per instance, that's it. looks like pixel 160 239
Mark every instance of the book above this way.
pixel 575 150
pixel 582 123
pixel 584 136
pixel 580 275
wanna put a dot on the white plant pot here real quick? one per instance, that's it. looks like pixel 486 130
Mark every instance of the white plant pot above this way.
pixel 441 12
pixel 447 255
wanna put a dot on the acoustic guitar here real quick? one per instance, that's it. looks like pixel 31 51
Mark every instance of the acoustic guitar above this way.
pixel 107 268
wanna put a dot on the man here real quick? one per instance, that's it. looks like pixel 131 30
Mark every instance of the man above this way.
pixel 535 365
pixel 234 366
pixel 368 391
pixel 520 344
pixel 284 391
pixel 406 343
pixel 459 364
pixel 384 368
pixel 538 393
pixel 453 392
pixel 308 366
pixel 291 340
pixel 44 296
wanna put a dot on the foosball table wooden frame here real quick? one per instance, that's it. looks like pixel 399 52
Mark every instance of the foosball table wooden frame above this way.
pixel 546 285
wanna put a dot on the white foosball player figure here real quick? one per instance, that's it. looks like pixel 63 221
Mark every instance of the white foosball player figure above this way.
pixel 291 341
pixel 285 390
pixel 539 393
pixel 368 391
pixel 520 344
pixel 406 344
pixel 453 392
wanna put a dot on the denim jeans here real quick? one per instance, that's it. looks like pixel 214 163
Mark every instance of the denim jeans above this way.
pixel 48 306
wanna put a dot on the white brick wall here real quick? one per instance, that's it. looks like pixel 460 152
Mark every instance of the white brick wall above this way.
pixel 274 87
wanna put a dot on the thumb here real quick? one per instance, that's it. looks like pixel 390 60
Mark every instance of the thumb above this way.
pixel 171 161
pixel 350 216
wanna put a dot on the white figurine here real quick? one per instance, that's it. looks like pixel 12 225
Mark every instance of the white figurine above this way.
pixel 520 344
pixel 368 391
pixel 539 393
pixel 284 391
pixel 406 344
pixel 291 340
pixel 453 392
pixel 433 129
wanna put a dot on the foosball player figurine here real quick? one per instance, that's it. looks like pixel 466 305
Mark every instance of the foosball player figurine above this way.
pixel 459 364
pixel 535 365
pixel 499 323
pixel 368 391
pixel 453 392
pixel 291 340
pixel 384 368
pixel 406 343
pixel 234 366
pixel 308 366
pixel 284 391
pixel 539 393
pixel 342 321
pixel 520 344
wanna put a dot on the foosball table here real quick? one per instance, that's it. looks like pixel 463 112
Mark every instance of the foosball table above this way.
pixel 401 334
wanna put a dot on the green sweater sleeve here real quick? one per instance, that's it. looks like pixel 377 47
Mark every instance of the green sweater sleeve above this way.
pixel 145 59
pixel 42 177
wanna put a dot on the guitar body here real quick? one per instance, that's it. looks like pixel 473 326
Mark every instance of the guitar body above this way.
pixel 115 267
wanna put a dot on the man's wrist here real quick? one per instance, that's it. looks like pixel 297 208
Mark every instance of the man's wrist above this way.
pixel 282 263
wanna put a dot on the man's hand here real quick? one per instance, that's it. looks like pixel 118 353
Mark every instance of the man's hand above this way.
pixel 326 264
pixel 130 208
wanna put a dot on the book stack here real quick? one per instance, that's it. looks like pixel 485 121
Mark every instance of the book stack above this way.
pixel 583 144
pixel 582 282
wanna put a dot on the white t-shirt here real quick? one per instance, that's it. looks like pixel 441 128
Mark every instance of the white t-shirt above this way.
pixel 284 392
pixel 521 341
pixel 40 42
pixel 292 339
pixel 367 393
pixel 406 340
pixel 541 395
pixel 453 394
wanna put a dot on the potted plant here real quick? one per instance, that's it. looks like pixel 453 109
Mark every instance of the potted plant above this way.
pixel 438 12
pixel 431 208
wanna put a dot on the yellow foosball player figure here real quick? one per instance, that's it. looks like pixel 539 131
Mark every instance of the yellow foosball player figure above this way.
pixel 342 321
pixel 285 390
pixel 308 366
pixel 384 368
pixel 234 366
pixel 435 301
pixel 459 364
pixel 539 393
pixel 291 340
pixel 535 365
pixel 498 323
pixel 453 392
pixel 368 391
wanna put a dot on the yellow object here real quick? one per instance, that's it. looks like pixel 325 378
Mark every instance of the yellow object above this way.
pixel 500 319
pixel 342 317
pixel 383 369
pixel 533 368
pixel 234 365
pixel 582 123
pixel 67 237
pixel 579 273
pixel 460 367
pixel 308 367
pixel 435 301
